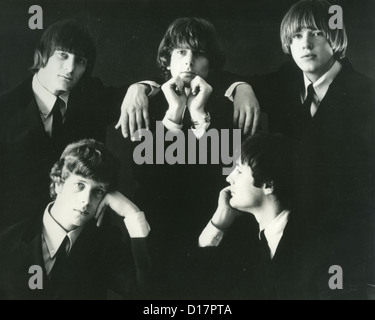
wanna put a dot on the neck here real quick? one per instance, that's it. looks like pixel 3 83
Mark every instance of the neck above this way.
pixel 55 214
pixel 313 77
pixel 46 86
pixel 267 212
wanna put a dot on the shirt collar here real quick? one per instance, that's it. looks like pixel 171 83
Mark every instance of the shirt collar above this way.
pixel 321 85
pixel 275 230
pixel 54 234
pixel 45 99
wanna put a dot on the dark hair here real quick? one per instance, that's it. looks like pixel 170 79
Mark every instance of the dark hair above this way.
pixel 68 35
pixel 270 158
pixel 87 158
pixel 193 33
pixel 312 14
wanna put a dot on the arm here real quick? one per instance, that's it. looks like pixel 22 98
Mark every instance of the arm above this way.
pixel 221 221
pixel 138 229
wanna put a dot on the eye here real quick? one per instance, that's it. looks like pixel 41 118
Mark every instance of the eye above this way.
pixel 182 52
pixel 100 192
pixel 62 54
pixel 238 170
pixel 79 186
pixel 297 36
pixel 82 61
pixel 199 53
pixel 318 33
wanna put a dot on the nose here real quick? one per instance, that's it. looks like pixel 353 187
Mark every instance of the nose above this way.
pixel 70 64
pixel 189 58
pixel 230 178
pixel 86 197
pixel 307 41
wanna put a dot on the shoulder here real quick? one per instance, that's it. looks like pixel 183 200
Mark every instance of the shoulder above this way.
pixel 12 236
pixel 18 95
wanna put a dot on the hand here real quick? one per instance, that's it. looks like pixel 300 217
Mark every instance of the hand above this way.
pixel 246 109
pixel 134 110
pixel 225 214
pixel 174 92
pixel 197 99
pixel 121 205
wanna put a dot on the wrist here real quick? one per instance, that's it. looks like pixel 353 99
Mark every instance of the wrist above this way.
pixel 174 114
pixel 141 88
pixel 201 119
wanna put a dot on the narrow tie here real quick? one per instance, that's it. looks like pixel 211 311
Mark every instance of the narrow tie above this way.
pixel 306 106
pixel 57 120
pixel 264 248
pixel 57 272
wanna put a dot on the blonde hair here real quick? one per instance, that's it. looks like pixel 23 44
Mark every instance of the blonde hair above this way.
pixel 312 14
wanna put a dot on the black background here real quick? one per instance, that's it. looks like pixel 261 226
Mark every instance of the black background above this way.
pixel 128 33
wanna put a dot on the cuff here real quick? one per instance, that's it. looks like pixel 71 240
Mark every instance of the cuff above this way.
pixel 200 130
pixel 210 236
pixel 170 125
pixel 230 90
pixel 154 86
pixel 137 225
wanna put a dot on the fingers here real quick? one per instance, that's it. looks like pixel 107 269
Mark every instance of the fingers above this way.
pixel 132 124
pixel 241 120
pixel 248 123
pixel 99 215
pixel 255 121
pixel 123 123
pixel 236 115
pixel 146 119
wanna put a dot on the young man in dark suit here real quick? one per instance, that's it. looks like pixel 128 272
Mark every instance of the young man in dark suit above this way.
pixel 180 193
pixel 59 104
pixel 78 259
pixel 327 107
pixel 272 258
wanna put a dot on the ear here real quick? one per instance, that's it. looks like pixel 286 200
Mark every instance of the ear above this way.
pixel 169 68
pixel 268 188
pixel 58 187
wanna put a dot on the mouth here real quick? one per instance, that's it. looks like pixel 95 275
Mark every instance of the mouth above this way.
pixel 66 78
pixel 188 74
pixel 82 212
pixel 308 56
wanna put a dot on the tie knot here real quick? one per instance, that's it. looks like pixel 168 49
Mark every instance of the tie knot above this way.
pixel 310 90
pixel 64 246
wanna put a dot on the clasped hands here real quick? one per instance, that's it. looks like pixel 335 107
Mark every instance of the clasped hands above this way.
pixel 178 97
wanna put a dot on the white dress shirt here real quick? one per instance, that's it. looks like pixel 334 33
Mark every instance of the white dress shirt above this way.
pixel 321 86
pixel 212 236
pixel 45 101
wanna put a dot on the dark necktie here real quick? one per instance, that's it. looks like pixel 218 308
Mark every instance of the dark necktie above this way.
pixel 306 107
pixel 264 248
pixel 57 272
pixel 57 120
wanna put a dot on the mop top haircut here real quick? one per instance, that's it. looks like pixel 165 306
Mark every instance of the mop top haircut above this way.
pixel 89 159
pixel 65 35
pixel 270 158
pixel 312 14
pixel 196 34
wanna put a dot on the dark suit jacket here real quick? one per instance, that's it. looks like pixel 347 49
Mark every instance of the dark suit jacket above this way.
pixel 238 270
pixel 180 198
pixel 98 261
pixel 27 153
pixel 334 167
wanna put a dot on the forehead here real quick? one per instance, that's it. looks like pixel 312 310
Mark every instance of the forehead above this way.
pixel 74 178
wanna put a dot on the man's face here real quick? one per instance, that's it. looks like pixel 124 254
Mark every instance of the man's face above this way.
pixel 312 53
pixel 245 196
pixel 62 71
pixel 188 63
pixel 77 200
